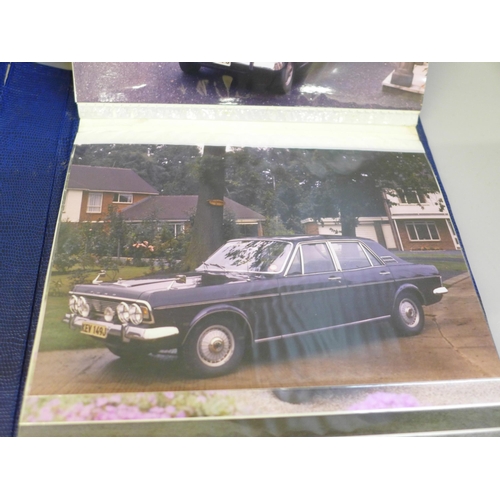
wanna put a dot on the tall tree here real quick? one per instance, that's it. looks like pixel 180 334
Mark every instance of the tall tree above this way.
pixel 349 184
pixel 207 233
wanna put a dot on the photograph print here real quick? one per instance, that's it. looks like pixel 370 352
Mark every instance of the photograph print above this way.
pixel 371 85
pixel 191 268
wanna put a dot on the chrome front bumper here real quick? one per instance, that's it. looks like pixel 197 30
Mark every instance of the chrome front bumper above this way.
pixel 440 291
pixel 126 332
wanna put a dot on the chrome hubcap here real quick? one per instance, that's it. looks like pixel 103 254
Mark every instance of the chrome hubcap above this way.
pixel 215 345
pixel 409 312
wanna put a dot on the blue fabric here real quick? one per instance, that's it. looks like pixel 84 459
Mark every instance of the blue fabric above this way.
pixel 38 124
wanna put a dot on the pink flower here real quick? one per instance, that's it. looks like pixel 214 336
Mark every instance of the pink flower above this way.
pixel 384 400
pixel 53 402
pixel 86 412
pixel 156 409
pixel 46 414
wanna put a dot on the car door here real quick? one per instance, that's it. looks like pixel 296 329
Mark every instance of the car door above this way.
pixel 312 292
pixel 370 284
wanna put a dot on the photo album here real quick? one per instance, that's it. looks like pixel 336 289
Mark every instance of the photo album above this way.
pixel 252 249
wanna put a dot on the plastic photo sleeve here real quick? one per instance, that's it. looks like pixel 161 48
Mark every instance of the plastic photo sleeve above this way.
pixel 223 282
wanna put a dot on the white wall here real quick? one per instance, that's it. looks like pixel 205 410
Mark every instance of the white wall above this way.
pixel 461 118
pixel 428 209
pixel 72 204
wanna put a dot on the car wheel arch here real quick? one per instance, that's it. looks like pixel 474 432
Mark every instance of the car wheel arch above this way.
pixel 225 311
pixel 409 288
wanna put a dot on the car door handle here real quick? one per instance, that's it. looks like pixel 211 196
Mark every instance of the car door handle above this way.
pixel 384 272
pixel 334 278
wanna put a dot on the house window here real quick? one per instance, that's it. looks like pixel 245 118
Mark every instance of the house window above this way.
pixel 123 198
pixel 422 231
pixel 94 204
pixel 411 197
pixel 176 229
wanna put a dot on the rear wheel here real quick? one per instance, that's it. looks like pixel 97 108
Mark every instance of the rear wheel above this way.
pixel 190 68
pixel 214 347
pixel 408 314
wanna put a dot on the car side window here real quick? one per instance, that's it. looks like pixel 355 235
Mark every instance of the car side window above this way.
pixel 351 255
pixel 296 265
pixel 317 258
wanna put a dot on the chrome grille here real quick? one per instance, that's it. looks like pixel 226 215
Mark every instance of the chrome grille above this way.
pixel 98 305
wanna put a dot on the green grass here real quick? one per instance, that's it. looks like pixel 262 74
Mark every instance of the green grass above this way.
pixel 447 263
pixel 431 255
pixel 57 335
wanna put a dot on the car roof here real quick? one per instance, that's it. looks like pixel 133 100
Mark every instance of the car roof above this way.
pixel 304 237
pixel 376 247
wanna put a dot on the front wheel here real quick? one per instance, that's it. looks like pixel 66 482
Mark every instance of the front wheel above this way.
pixel 284 79
pixel 213 348
pixel 408 314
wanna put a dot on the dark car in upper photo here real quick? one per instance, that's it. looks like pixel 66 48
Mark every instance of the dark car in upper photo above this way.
pixel 256 290
pixel 277 77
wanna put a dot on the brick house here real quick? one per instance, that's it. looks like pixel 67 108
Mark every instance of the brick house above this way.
pixel 91 190
pixel 176 212
pixel 421 222
pixel 410 222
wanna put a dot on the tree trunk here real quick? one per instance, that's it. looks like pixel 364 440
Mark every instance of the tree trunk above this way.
pixel 207 235
pixel 348 225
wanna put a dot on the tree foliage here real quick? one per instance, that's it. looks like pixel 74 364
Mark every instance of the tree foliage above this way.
pixel 284 185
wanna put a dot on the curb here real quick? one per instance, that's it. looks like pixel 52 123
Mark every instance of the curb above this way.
pixel 456 279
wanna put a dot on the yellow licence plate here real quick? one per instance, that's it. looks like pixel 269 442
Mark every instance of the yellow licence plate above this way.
pixel 94 330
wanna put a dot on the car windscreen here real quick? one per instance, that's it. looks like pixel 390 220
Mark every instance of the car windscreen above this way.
pixel 262 256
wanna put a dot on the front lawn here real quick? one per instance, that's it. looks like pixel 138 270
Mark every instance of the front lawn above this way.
pixel 449 263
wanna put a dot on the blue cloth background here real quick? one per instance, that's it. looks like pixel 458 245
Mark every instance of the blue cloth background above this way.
pixel 38 124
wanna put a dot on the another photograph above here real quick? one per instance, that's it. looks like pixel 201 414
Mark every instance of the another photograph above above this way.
pixel 371 85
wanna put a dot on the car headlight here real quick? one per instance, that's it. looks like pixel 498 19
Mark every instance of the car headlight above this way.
pixel 109 314
pixel 73 304
pixel 135 314
pixel 122 310
pixel 83 307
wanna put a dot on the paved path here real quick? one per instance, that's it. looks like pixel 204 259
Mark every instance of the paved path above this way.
pixel 455 344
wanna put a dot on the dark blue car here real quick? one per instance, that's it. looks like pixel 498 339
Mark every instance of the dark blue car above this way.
pixel 277 77
pixel 256 290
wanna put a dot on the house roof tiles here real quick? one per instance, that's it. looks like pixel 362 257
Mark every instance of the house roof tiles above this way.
pixel 180 208
pixel 108 179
